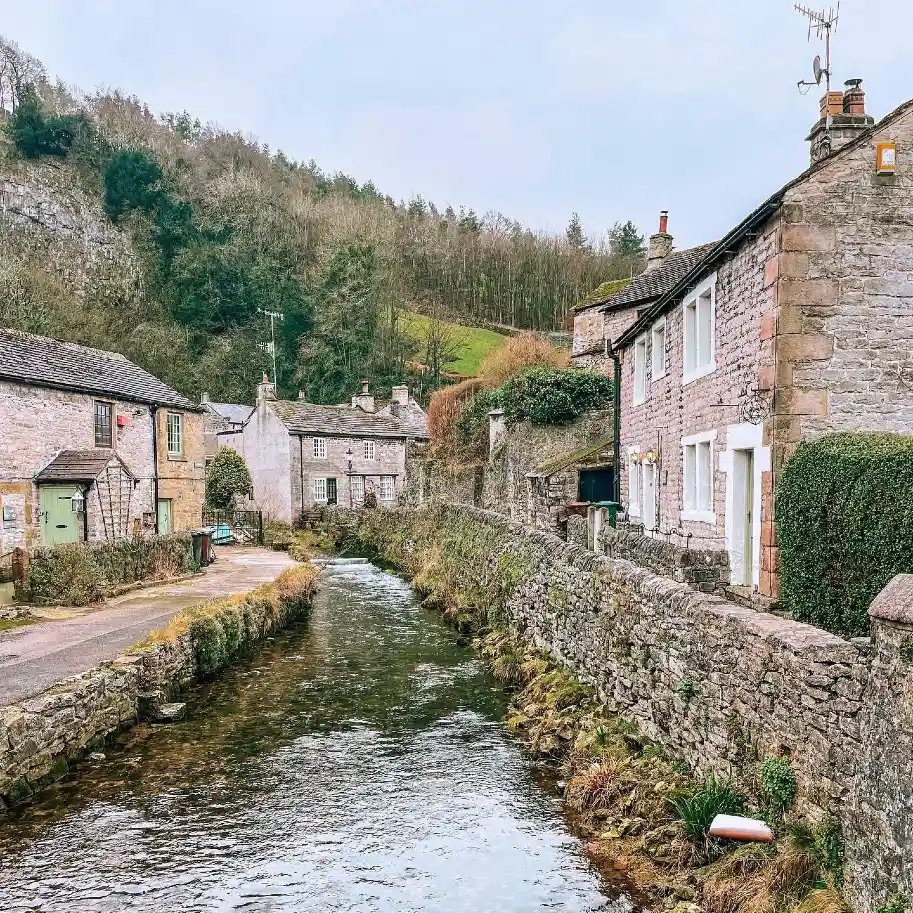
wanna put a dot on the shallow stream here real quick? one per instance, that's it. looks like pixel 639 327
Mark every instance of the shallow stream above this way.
pixel 358 762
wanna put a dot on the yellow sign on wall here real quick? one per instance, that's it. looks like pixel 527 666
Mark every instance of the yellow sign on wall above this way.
pixel 886 158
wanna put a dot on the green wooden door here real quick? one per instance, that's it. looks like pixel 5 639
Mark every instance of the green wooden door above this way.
pixel 60 524
pixel 164 516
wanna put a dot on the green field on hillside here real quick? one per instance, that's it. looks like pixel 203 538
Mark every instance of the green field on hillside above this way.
pixel 475 343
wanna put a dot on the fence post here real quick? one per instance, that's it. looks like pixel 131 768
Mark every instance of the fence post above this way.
pixel 20 568
pixel 260 522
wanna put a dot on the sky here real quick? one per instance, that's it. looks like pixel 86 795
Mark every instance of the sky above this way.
pixel 537 109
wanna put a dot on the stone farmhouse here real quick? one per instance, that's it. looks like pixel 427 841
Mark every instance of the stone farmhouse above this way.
pixel 92 447
pixel 304 456
pixel 799 322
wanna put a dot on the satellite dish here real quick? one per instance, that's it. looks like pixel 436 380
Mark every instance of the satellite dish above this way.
pixel 816 69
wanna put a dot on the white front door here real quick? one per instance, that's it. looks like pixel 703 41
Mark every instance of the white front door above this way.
pixel 649 498
pixel 742 552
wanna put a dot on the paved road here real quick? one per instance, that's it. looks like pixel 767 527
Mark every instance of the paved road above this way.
pixel 34 657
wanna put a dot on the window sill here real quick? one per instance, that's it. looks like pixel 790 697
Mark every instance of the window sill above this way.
pixel 639 402
pixel 698 373
pixel 699 516
pixel 656 377
pixel 176 458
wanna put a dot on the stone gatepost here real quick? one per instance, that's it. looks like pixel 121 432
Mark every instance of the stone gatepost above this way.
pixel 878 825
pixel 497 429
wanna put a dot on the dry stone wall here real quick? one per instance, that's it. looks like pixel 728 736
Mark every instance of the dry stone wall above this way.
pixel 718 684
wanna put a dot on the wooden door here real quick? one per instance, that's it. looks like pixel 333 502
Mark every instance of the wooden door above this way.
pixel 60 524
pixel 164 516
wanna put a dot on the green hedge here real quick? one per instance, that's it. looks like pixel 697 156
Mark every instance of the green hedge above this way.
pixel 549 396
pixel 88 571
pixel 844 509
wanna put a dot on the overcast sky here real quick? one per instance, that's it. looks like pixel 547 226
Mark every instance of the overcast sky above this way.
pixel 534 108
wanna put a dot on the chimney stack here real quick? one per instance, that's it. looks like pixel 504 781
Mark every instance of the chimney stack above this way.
pixel 842 119
pixel 401 394
pixel 660 243
pixel 204 399
pixel 303 396
pixel 265 391
pixel 363 400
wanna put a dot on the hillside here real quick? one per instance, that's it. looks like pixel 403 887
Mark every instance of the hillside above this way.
pixel 166 238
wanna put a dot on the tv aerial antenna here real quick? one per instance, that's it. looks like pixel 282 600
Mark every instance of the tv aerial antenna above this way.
pixel 823 24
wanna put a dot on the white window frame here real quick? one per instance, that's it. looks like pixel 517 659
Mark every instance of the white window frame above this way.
pixel 320 448
pixel 658 348
pixel 635 483
pixel 319 489
pixel 370 450
pixel 640 370
pixel 176 437
pixel 357 488
pixel 691 332
pixel 692 509
pixel 382 489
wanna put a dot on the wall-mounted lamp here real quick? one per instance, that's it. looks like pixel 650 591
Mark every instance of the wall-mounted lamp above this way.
pixel 78 501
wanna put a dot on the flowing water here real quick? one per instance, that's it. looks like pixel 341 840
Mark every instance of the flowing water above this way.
pixel 357 762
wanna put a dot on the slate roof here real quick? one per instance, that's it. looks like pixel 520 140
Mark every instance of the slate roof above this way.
pixel 234 413
pixel 78 466
pixel 411 415
pixel 338 421
pixel 656 282
pixel 48 362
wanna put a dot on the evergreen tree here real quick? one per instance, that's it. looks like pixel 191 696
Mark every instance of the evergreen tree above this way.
pixel 626 241
pixel 576 239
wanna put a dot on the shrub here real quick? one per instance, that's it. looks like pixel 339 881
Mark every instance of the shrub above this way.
pixel 525 350
pixel 444 410
pixel 844 509
pixel 227 478
pixel 471 426
pixel 85 572
pixel 545 396
pixel 133 180
pixel 712 798
pixel 34 134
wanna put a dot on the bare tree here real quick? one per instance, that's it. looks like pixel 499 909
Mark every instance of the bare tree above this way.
pixel 443 344
pixel 17 70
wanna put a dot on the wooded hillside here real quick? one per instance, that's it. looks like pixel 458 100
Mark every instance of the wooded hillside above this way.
pixel 188 232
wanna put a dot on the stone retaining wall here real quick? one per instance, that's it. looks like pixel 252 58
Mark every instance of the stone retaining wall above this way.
pixel 704 569
pixel 720 685
pixel 41 736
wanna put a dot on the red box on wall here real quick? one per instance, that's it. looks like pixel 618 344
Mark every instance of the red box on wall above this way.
pixel 123 421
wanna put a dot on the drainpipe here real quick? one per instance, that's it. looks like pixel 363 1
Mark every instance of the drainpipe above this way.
pixel 153 411
pixel 301 473
pixel 616 419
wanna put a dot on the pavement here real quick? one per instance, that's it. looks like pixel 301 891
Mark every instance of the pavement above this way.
pixel 69 642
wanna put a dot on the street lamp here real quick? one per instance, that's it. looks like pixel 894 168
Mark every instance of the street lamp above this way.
pixel 78 501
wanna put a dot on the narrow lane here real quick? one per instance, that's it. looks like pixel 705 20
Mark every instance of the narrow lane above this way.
pixel 36 656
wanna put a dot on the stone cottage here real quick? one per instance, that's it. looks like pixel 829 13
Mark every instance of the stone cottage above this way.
pixel 799 322
pixel 303 455
pixel 220 418
pixel 92 446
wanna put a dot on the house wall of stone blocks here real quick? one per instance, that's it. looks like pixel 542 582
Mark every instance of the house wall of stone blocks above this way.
pixel 37 424
pixel 182 477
